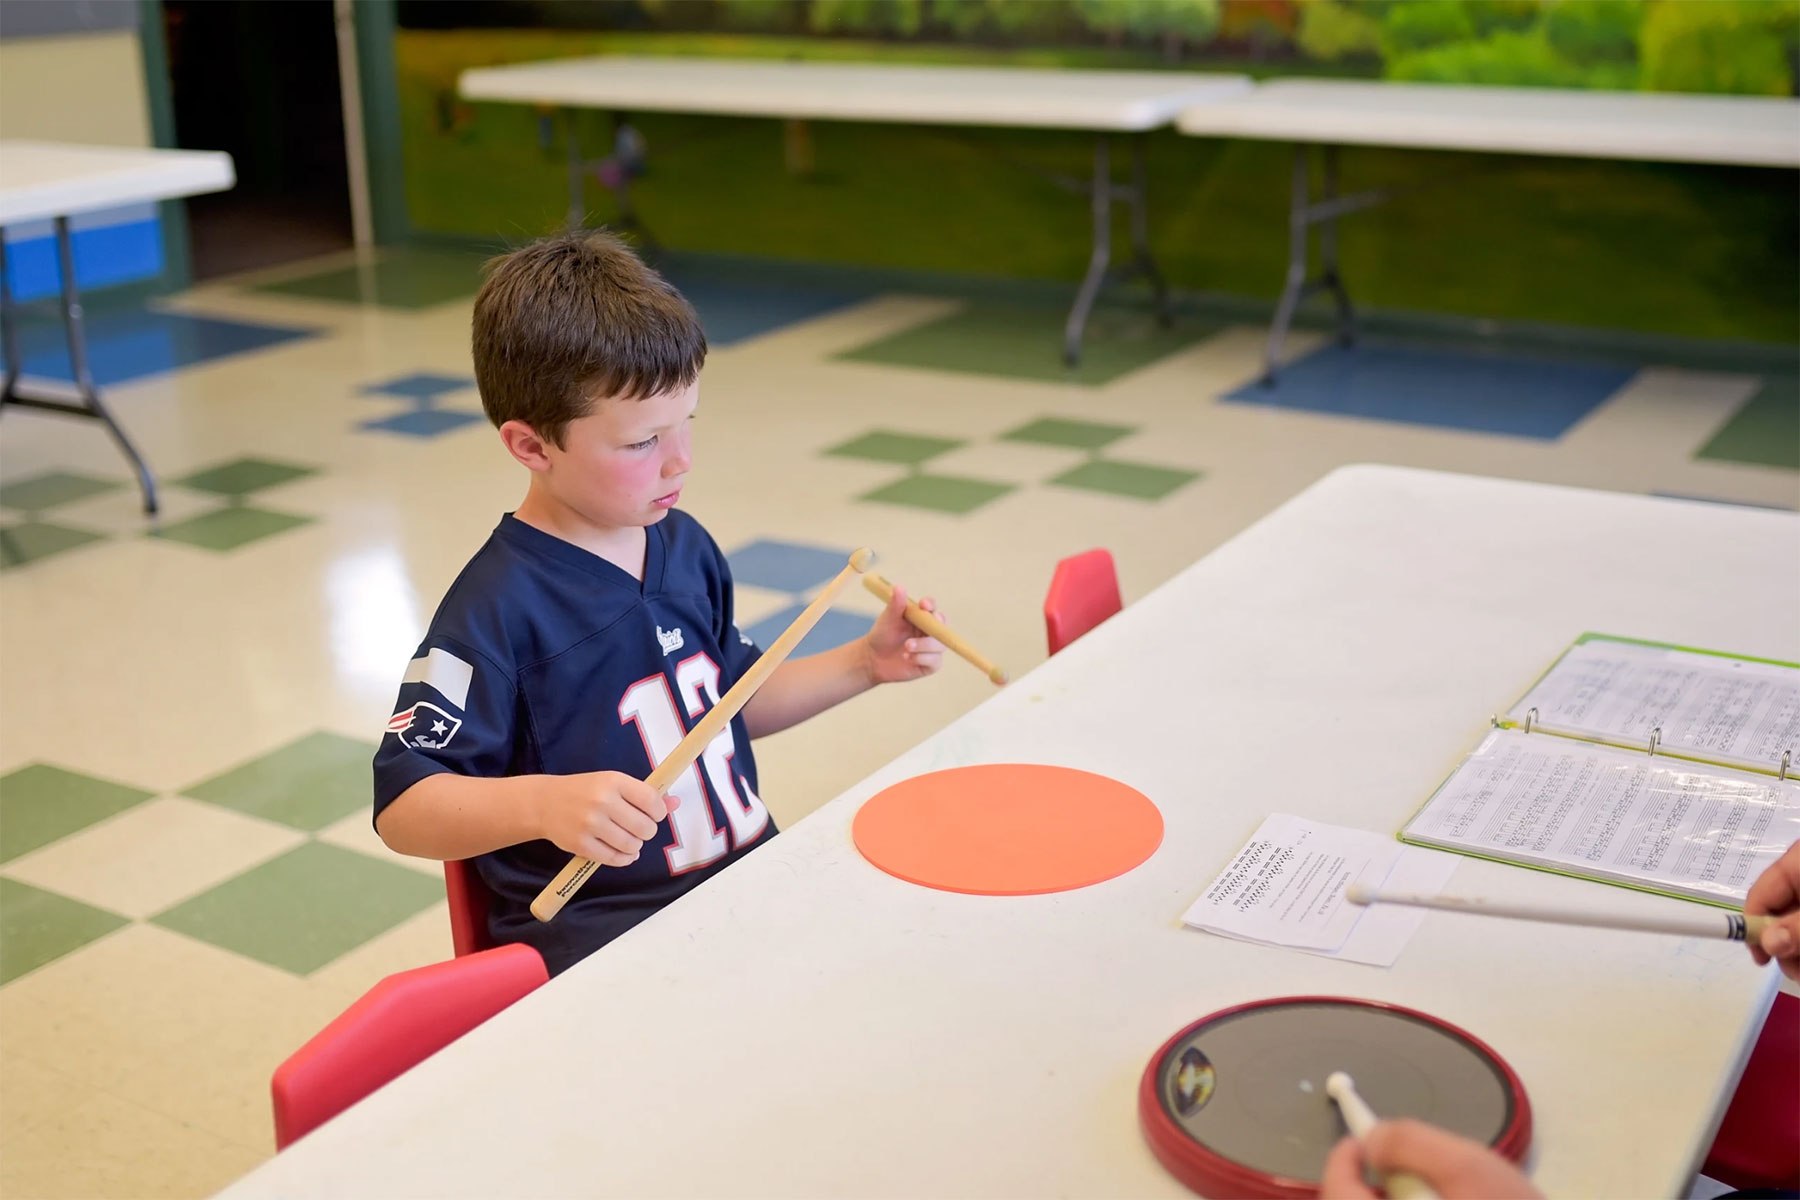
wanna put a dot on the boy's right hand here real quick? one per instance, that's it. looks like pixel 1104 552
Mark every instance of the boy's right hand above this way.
pixel 606 816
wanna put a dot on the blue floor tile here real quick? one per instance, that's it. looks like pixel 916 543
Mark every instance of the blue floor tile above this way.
pixel 421 385
pixel 734 310
pixel 834 629
pixel 423 422
pixel 785 566
pixel 128 344
pixel 1532 398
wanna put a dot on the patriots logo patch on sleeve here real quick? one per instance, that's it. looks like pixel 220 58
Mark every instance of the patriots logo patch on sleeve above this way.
pixel 423 726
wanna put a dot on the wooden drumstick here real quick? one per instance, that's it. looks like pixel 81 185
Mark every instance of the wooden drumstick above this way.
pixel 1359 1118
pixel 1701 923
pixel 568 881
pixel 933 627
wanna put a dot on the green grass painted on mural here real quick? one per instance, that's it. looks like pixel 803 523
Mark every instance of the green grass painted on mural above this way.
pixel 1765 431
pixel 1653 248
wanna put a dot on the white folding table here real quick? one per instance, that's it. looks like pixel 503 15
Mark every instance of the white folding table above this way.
pixel 1106 103
pixel 805 1025
pixel 1755 131
pixel 54 181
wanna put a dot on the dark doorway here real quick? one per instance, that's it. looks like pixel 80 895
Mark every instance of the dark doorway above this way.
pixel 259 80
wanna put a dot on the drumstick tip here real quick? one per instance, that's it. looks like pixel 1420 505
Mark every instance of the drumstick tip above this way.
pixel 1359 893
pixel 998 675
pixel 1338 1085
pixel 863 559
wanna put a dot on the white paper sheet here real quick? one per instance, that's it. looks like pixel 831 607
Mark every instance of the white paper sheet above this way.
pixel 1605 813
pixel 1286 888
pixel 1707 706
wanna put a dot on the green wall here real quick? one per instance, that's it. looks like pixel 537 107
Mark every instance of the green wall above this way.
pixel 1660 249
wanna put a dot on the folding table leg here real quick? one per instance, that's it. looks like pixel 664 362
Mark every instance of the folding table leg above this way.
pixel 1140 234
pixel 1101 194
pixel 74 327
pixel 1328 259
pixel 88 403
pixel 1303 214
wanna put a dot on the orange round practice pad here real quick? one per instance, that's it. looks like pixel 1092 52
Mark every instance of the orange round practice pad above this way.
pixel 1008 829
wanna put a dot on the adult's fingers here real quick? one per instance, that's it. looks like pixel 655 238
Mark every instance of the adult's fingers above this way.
pixel 1342 1178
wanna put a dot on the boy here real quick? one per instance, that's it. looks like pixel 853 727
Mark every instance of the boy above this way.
pixel 594 627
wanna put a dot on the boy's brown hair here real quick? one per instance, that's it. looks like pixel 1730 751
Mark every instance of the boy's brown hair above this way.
pixel 574 318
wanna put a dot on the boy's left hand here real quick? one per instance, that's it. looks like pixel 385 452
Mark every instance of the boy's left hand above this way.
pixel 896 650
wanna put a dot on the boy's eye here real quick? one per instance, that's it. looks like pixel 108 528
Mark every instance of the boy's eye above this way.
pixel 643 445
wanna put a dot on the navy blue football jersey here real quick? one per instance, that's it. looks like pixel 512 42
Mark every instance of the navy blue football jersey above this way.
pixel 546 659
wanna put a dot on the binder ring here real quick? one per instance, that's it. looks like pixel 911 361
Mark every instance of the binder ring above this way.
pixel 1787 757
pixel 1530 716
pixel 1655 737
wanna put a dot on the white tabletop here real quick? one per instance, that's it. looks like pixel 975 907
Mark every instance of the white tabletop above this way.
pixel 926 95
pixel 805 1025
pixel 1743 130
pixel 39 180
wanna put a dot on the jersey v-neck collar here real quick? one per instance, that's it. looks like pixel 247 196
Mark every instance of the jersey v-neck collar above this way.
pixel 536 541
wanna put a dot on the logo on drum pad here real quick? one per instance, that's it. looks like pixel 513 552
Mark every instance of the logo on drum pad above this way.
pixel 1193 1082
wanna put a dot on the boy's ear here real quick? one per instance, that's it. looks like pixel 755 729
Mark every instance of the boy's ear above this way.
pixel 525 444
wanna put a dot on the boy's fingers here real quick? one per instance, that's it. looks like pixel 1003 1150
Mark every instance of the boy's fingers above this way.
pixel 618 840
pixel 646 800
pixel 1342 1177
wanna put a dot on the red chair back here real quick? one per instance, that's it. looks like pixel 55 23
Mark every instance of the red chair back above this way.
pixel 1759 1141
pixel 469 904
pixel 400 1022
pixel 1084 591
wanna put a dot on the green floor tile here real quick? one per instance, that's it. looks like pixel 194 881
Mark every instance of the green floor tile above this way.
pixel 31 540
pixel 242 476
pixel 940 493
pixel 306 908
pixel 404 277
pixel 53 488
pixel 1139 480
pixel 37 927
pixel 229 528
pixel 1080 435
pixel 1766 431
pixel 1025 342
pixel 307 784
pixel 885 446
pixel 40 804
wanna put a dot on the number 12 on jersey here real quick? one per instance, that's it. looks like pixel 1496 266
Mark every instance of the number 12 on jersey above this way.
pixel 650 705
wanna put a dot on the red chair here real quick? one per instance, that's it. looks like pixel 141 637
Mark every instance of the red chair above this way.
pixel 400 1022
pixel 1759 1141
pixel 1083 592
pixel 470 901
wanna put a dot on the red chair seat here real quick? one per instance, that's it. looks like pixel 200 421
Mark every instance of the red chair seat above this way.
pixel 1084 591
pixel 470 901
pixel 1759 1141
pixel 400 1022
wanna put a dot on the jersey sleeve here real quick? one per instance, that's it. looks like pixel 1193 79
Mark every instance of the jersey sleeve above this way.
pixel 736 645
pixel 457 711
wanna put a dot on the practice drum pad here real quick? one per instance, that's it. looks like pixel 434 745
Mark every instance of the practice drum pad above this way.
pixel 1235 1104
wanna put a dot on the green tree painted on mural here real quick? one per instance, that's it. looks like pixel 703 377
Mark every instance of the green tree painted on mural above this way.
pixel 1744 46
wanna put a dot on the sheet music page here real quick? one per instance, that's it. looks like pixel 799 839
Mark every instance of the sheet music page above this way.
pixel 1728 710
pixel 1698 831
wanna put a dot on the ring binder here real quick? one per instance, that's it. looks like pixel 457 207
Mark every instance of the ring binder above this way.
pixel 1655 737
pixel 1787 757
pixel 1530 716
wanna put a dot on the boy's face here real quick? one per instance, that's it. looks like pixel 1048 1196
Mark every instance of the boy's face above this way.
pixel 624 463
